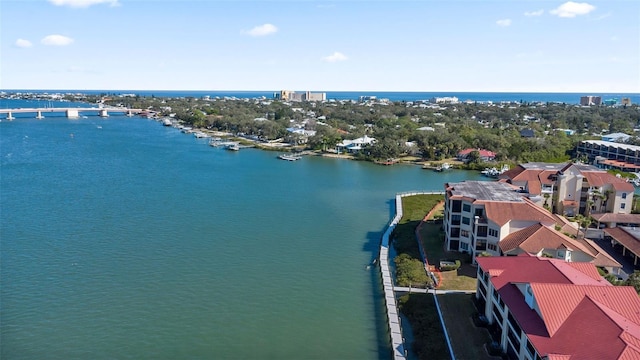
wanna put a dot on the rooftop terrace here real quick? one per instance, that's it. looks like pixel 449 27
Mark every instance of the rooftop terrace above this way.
pixel 484 190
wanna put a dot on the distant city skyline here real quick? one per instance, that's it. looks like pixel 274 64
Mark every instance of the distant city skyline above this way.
pixel 354 45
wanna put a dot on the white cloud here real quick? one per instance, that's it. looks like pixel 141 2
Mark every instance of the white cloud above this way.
pixel 504 22
pixel 56 40
pixel 263 30
pixel 335 57
pixel 83 3
pixel 534 13
pixel 572 9
pixel 22 43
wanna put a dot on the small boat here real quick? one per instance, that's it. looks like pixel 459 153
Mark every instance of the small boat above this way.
pixel 491 172
pixel 443 167
pixel 289 157
pixel 167 122
pixel 233 147
pixel 201 135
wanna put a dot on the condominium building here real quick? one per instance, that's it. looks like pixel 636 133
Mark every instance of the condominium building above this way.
pixel 478 214
pixel 540 308
pixel 572 188
pixel 590 100
pixel 497 218
pixel 288 95
pixel 611 155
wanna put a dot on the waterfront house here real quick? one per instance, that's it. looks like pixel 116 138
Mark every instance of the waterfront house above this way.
pixel 541 308
pixel 485 155
pixel 355 145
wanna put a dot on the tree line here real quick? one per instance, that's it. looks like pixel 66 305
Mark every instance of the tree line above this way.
pixel 405 128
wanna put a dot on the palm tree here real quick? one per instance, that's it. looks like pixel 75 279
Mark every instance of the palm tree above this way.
pixel 583 221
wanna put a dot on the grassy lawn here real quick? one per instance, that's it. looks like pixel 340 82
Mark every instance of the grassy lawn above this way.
pixel 429 341
pixel 414 209
pixel 433 242
pixel 420 309
pixel 467 340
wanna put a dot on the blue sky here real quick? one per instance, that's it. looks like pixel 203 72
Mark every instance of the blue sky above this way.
pixel 382 45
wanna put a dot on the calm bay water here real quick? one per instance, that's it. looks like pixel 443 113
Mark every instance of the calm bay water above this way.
pixel 122 238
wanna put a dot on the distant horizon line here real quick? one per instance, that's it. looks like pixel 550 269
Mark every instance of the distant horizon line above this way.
pixel 330 91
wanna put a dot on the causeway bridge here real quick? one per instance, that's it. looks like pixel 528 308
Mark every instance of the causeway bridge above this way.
pixel 70 112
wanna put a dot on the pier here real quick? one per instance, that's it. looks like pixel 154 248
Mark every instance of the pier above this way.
pixel 71 113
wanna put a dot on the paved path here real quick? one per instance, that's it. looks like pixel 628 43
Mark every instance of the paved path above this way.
pixel 431 291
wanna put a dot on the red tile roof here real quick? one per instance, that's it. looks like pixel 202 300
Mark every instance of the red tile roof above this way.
pixel 534 187
pixel 546 177
pixel 600 314
pixel 483 152
pixel 601 178
pixel 537 237
pixel 501 212
pixel 626 239
pixel 581 316
pixel 617 218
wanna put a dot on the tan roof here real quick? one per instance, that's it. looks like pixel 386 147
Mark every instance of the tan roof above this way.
pixel 538 237
pixel 616 218
pixel 501 212
pixel 625 238
pixel 603 259
pixel 545 176
pixel 601 178
pixel 534 187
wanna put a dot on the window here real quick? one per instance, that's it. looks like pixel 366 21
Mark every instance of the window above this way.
pixel 624 195
pixel 482 231
pixel 531 349
pixel 492 247
pixel 464 233
pixel 464 246
pixel 455 219
pixel 514 325
pixel 497 317
pixel 493 232
pixel 514 339
pixel 622 205
pixel 478 212
pixel 456 205
pixel 466 220
pixel 455 232
pixel 466 207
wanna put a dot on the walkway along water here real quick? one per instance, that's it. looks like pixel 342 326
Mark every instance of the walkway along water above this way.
pixel 393 320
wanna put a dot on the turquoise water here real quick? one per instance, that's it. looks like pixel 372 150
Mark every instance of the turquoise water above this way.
pixel 569 98
pixel 124 239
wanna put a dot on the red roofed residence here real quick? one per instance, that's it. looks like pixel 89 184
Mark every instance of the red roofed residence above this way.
pixel 550 309
pixel 494 218
pixel 478 214
pixel 485 155
pixel 572 188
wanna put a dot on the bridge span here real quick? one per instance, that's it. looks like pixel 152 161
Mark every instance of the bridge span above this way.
pixel 71 113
